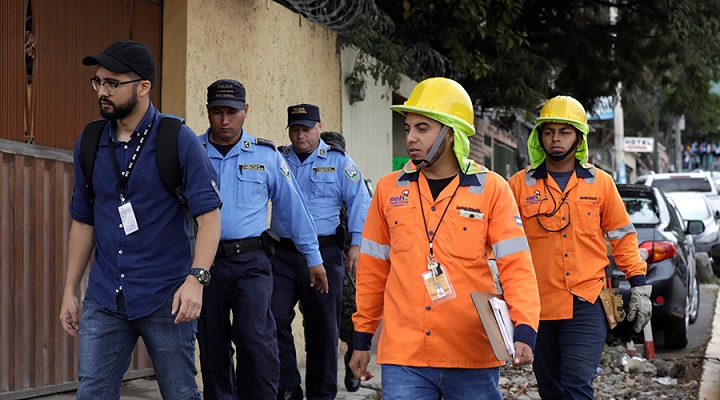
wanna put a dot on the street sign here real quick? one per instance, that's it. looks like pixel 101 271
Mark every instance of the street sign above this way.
pixel 638 144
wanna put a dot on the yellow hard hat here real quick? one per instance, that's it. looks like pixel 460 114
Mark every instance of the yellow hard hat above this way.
pixel 563 109
pixel 441 99
pixel 446 102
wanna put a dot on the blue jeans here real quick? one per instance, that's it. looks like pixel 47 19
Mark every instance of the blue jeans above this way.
pixel 567 352
pixel 424 383
pixel 107 340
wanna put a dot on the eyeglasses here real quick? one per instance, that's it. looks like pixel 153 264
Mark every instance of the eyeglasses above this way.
pixel 110 86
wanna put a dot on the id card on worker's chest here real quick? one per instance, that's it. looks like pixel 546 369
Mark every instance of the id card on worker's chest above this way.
pixel 438 284
pixel 127 216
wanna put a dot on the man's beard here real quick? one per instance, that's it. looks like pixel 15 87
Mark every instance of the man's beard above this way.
pixel 118 111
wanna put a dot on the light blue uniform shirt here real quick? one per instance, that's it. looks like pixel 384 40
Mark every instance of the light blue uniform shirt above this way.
pixel 326 178
pixel 250 174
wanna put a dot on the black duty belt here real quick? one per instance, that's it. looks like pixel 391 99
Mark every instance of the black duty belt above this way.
pixel 227 248
pixel 323 241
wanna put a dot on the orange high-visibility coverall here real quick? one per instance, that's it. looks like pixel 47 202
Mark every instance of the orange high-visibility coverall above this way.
pixel 573 260
pixel 480 216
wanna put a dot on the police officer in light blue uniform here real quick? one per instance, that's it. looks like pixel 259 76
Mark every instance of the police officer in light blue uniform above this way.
pixel 251 172
pixel 326 176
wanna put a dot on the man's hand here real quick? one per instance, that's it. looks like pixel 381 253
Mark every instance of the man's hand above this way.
pixel 358 365
pixel 318 278
pixel 69 314
pixel 187 302
pixel 640 308
pixel 523 354
pixel 353 255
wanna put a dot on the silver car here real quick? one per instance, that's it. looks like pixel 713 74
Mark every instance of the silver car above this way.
pixel 694 206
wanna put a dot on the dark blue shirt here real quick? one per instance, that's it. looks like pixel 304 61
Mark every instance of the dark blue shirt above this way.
pixel 148 265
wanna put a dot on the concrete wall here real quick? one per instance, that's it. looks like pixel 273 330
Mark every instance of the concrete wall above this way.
pixel 280 57
pixel 367 124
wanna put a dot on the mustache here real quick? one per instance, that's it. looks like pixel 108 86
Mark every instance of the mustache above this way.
pixel 106 100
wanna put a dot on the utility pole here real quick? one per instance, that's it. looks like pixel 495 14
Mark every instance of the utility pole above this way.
pixel 619 138
pixel 679 127
pixel 618 122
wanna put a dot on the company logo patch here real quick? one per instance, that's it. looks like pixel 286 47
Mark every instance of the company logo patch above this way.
pixel 399 201
pixel 352 173
pixel 323 169
pixel 534 199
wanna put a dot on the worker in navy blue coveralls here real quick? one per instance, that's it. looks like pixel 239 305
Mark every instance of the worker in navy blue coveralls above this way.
pixel 326 176
pixel 251 171
pixel 141 283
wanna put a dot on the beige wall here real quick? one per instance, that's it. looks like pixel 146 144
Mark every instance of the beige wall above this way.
pixel 280 57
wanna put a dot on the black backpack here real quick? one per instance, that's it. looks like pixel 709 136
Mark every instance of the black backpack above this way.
pixel 166 160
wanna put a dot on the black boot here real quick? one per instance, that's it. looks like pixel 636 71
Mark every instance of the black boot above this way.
pixel 295 393
pixel 352 384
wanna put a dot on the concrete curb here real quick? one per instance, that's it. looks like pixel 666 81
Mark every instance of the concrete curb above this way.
pixel 710 384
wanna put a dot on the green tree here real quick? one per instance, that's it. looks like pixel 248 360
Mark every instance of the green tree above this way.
pixel 516 53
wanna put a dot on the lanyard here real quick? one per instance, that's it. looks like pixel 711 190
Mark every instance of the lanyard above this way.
pixel 122 178
pixel 431 257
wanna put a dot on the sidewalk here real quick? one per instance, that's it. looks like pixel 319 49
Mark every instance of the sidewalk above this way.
pixel 709 384
pixel 147 389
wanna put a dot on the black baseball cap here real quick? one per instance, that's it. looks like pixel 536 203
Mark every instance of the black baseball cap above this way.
pixel 303 114
pixel 126 56
pixel 226 92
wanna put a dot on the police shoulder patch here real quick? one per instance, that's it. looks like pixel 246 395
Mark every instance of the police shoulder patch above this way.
pixel 265 142
pixel 285 170
pixel 352 172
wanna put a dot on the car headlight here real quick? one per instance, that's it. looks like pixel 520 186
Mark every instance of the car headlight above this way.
pixel 709 236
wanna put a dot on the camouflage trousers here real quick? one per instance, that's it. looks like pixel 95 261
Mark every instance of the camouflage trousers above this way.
pixel 348 308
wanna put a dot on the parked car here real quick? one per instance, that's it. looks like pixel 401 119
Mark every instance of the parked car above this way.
pixel 697 181
pixel 695 206
pixel 665 244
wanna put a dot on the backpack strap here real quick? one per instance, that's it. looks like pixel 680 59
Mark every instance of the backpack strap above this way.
pixel 89 144
pixel 166 156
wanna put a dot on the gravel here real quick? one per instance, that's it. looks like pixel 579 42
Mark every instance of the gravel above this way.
pixel 621 376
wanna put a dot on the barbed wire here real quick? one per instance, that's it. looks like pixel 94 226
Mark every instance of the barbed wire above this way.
pixel 343 16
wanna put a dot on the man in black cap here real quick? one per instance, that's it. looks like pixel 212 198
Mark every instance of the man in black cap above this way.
pixel 251 173
pixel 327 177
pixel 144 281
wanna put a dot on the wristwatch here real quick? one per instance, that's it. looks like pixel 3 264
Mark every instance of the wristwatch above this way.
pixel 201 274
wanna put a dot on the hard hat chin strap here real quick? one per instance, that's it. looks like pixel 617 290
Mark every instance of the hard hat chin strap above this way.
pixel 562 156
pixel 430 156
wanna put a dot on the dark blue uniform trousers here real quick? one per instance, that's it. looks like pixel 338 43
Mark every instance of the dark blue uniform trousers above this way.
pixel 321 320
pixel 241 284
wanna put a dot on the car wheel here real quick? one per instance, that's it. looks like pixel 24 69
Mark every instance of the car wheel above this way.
pixel 676 333
pixel 693 301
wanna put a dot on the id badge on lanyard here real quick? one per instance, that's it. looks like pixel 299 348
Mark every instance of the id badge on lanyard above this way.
pixel 437 282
